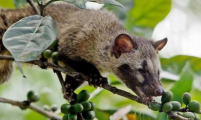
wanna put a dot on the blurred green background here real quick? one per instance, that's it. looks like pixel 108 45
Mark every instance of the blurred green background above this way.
pixel 181 71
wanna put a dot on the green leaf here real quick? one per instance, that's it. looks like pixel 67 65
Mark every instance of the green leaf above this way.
pixel 147 13
pixel 109 2
pixel 20 68
pixel 184 84
pixel 78 3
pixel 105 114
pixel 162 116
pixel 7 4
pixel 29 37
pixel 175 64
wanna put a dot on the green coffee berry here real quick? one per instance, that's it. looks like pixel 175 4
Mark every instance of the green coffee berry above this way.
pixel 30 95
pixel 55 56
pixel 35 98
pixel 167 107
pixel 65 117
pixel 188 115
pixel 92 106
pixel 46 107
pixel 54 108
pixel 88 115
pixel 78 107
pixel 176 105
pixel 155 106
pixel 87 105
pixel 66 108
pixel 83 96
pixel 194 106
pixel 167 97
pixel 47 54
pixel 186 98
pixel 72 116
pixel 54 44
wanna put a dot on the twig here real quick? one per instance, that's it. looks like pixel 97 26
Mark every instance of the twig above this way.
pixel 48 114
pixel 36 10
pixel 174 115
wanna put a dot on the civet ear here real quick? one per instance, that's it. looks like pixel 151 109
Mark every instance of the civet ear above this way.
pixel 158 45
pixel 122 44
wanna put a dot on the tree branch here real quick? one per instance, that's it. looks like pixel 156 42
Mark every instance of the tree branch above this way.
pixel 80 76
pixel 23 105
pixel 36 10
pixel 176 116
pixel 106 86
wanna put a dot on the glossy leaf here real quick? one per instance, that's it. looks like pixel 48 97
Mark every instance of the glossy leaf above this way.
pixel 20 68
pixel 175 64
pixel 109 2
pixel 184 84
pixel 78 3
pixel 29 37
pixel 162 116
pixel 152 12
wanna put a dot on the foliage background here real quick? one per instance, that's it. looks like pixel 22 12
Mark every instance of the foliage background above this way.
pixel 148 18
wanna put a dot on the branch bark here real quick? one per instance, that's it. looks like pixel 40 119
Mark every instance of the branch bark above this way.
pixel 175 116
pixel 80 76
pixel 31 3
pixel 22 105
pixel 108 87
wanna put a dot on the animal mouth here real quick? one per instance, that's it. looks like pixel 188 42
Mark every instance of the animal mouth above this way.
pixel 145 96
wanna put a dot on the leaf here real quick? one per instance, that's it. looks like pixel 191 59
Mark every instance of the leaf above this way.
pixel 147 13
pixel 105 115
pixel 110 2
pixel 20 68
pixel 184 84
pixel 78 3
pixel 7 4
pixel 176 64
pixel 29 37
pixel 162 116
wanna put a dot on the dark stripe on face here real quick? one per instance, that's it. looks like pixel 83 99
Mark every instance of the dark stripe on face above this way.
pixel 128 76
pixel 144 72
pixel 124 68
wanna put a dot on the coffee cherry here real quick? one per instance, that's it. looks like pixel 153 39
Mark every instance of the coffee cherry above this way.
pixel 66 108
pixel 194 106
pixel 176 105
pixel 155 106
pixel 83 96
pixel 78 107
pixel 186 98
pixel 167 97
pixel 88 115
pixel 87 106
pixel 47 54
pixel 167 107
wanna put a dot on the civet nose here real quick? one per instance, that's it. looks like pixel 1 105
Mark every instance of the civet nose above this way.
pixel 159 92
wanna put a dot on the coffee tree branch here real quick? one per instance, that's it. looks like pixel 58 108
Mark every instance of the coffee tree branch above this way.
pixel 36 10
pixel 37 109
pixel 106 86
pixel 79 76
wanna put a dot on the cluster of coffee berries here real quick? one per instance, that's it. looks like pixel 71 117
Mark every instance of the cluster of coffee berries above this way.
pixel 32 96
pixel 192 107
pixel 83 107
pixel 51 53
